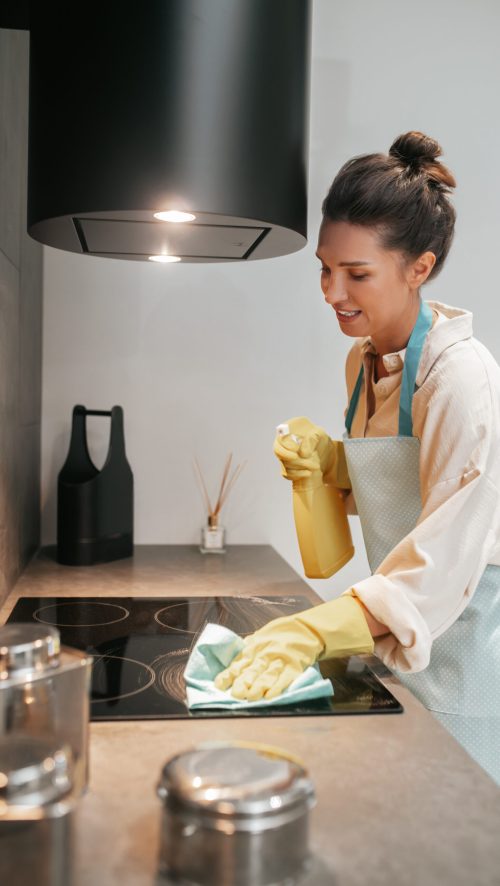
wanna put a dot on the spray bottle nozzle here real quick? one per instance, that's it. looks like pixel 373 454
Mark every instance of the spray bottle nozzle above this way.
pixel 284 431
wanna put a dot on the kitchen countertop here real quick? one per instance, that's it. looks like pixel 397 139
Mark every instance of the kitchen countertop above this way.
pixel 398 801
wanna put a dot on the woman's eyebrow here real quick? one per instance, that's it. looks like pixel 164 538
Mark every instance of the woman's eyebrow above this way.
pixel 349 264
pixel 353 264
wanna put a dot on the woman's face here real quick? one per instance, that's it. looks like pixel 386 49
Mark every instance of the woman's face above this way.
pixel 371 289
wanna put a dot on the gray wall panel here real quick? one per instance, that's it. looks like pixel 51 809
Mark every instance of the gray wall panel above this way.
pixel 21 279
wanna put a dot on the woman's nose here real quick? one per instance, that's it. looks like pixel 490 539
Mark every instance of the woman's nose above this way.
pixel 335 291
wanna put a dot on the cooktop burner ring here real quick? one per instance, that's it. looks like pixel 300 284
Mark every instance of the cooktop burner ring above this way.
pixel 74 624
pixel 145 667
pixel 223 615
pixel 171 627
pixel 169 669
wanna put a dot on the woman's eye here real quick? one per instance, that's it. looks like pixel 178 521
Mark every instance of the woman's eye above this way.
pixel 324 270
pixel 359 276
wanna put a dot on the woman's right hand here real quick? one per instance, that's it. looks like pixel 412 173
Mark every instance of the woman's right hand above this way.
pixel 306 448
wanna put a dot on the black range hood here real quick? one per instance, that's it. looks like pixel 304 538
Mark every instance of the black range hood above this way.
pixel 196 107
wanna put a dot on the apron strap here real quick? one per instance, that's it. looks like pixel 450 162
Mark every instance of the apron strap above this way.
pixel 410 369
pixel 354 401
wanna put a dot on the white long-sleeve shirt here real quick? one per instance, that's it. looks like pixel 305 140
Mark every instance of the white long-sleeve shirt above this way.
pixel 427 580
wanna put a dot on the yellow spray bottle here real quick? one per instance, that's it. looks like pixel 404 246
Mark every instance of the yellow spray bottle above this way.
pixel 321 522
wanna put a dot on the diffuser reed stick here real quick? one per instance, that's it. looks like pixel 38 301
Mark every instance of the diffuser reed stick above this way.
pixel 237 471
pixel 203 486
pixel 227 467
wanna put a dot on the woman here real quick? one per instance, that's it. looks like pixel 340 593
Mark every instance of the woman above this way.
pixel 423 452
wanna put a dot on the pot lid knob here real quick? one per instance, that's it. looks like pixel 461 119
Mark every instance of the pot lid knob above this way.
pixel 28 648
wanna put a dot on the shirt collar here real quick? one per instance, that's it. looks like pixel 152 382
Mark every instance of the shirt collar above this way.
pixel 452 325
pixel 392 362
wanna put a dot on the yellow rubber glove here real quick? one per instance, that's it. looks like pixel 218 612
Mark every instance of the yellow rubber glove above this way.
pixel 276 654
pixel 308 448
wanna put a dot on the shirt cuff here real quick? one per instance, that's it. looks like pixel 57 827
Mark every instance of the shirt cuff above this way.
pixel 408 646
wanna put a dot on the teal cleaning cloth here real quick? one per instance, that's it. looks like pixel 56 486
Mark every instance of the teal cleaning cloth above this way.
pixel 214 651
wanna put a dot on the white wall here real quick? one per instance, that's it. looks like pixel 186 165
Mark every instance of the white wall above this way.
pixel 209 358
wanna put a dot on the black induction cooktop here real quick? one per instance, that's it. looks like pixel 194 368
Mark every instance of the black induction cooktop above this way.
pixel 140 647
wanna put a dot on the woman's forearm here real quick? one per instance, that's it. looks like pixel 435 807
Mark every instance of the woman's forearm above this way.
pixel 377 629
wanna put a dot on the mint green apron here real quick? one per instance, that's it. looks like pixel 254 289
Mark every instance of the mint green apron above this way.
pixel 461 684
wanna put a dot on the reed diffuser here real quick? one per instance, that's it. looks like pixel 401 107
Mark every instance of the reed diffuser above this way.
pixel 213 535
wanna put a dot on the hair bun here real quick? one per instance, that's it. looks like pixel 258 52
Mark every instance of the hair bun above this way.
pixel 420 152
pixel 415 146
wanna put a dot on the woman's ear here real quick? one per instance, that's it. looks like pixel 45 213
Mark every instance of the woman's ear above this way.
pixel 419 270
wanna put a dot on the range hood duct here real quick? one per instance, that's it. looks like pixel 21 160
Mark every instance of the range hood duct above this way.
pixel 198 106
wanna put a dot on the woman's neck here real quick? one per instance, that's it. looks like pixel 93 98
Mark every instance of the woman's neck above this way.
pixel 379 370
pixel 397 339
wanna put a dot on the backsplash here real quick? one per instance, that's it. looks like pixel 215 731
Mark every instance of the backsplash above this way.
pixel 20 324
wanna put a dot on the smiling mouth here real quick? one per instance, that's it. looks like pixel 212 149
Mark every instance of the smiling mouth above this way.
pixel 347 313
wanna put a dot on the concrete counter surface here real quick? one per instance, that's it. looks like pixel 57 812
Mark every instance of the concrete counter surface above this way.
pixel 398 801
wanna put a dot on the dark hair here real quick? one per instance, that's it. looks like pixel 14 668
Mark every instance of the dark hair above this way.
pixel 403 195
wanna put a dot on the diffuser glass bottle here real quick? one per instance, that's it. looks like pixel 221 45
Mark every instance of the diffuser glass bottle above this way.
pixel 213 534
pixel 213 537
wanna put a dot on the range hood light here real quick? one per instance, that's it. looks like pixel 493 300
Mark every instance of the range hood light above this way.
pixel 173 215
pixel 164 259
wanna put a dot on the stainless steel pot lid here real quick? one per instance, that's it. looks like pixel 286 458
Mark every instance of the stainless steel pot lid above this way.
pixel 236 779
pixel 27 648
pixel 33 772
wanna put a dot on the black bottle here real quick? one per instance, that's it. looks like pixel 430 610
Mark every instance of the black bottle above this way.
pixel 95 509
